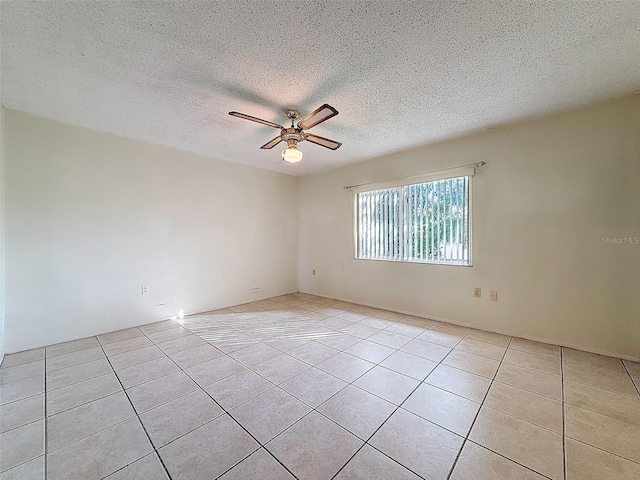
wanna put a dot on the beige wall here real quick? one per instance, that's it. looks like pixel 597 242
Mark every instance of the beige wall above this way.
pixel 2 347
pixel 91 217
pixel 551 190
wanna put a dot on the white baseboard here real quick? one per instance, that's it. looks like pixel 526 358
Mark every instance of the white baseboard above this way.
pixel 471 325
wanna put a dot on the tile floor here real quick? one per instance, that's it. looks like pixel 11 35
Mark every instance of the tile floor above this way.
pixel 307 387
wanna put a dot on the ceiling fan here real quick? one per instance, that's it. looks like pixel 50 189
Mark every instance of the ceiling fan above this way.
pixel 293 134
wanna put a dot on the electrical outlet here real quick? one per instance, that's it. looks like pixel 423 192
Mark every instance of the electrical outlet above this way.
pixel 144 289
pixel 281 273
pixel 493 295
pixel 477 292
pixel 254 290
pixel 314 271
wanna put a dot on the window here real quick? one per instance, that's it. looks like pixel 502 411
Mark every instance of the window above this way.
pixel 424 222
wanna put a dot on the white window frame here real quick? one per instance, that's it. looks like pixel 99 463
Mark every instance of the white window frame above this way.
pixel 408 181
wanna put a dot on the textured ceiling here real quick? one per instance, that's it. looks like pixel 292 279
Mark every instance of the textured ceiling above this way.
pixel 401 73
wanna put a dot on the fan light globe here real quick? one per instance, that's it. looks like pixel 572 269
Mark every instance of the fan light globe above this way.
pixel 291 154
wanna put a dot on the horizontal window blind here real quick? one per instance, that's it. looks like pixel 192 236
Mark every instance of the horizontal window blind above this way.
pixel 423 222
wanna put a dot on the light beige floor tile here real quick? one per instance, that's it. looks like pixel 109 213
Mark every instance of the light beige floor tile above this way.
pixel 585 462
pixel 406 329
pixel 135 357
pixel 119 335
pixel 156 392
pixel 21 412
pixel 158 326
pixel 195 356
pixel 359 330
pixel 468 362
pixel 345 366
pixel 313 353
pixel 255 354
pixel 443 408
pixel 127 345
pixel 450 329
pixel 20 358
pixel 607 433
pixel 236 389
pixel 147 468
pixel 632 367
pixel 392 316
pixel 82 392
pixel 427 350
pixel 410 365
pixel 72 425
pixel 21 372
pixel 489 337
pixel 369 351
pixel 313 386
pixel 421 446
pixel 231 344
pixel 330 311
pixel 482 349
pixel 21 444
pixel 531 380
pixel 325 300
pixel 601 398
pixel 534 447
pixel 471 386
pixel 439 338
pixel 358 411
pixel 376 322
pixel 11 392
pixel 423 323
pixel 178 417
pixel 593 360
pixel 77 373
pixel 336 323
pixel 269 413
pixel 389 339
pixel 259 464
pixel 537 409
pixel 478 463
pixel 208 451
pixel 340 341
pixel 169 334
pixel 548 365
pixel 31 470
pixel 607 403
pixel 539 348
pixel 370 464
pixel 387 384
pixel 352 316
pixel 314 447
pixel 313 306
pixel 71 346
pixel 281 368
pixel 614 382
pixel 145 372
pixel 100 454
pixel 74 358
pixel 245 308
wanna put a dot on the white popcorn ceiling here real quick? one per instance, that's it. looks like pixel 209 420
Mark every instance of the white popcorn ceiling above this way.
pixel 401 73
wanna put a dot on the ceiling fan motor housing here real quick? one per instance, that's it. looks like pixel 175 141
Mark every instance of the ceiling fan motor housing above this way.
pixel 292 134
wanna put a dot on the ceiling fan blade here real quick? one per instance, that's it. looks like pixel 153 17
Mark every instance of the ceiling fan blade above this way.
pixel 272 143
pixel 256 119
pixel 319 115
pixel 325 142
